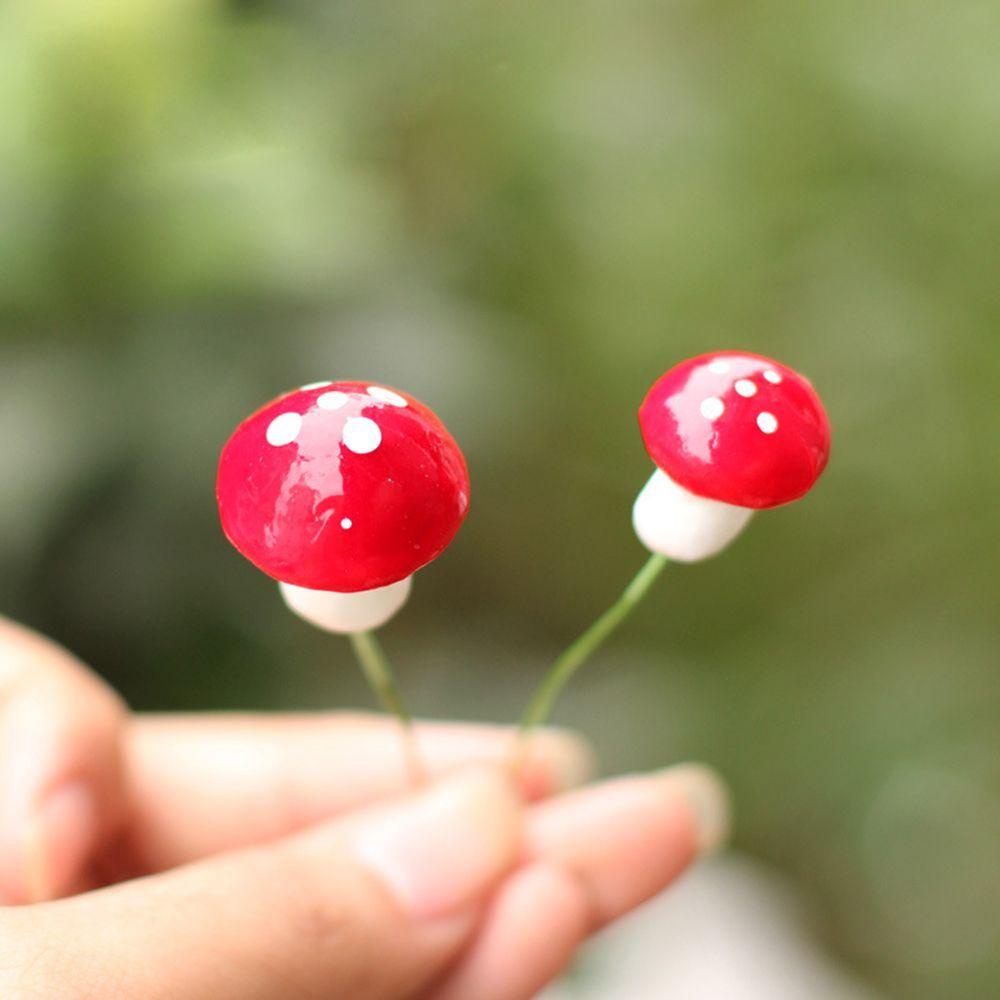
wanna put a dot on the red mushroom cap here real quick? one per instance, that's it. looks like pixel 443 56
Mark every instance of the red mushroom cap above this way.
pixel 737 427
pixel 342 486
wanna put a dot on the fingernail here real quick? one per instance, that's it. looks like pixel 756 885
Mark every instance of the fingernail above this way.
pixel 554 761
pixel 708 801
pixel 443 849
pixel 56 840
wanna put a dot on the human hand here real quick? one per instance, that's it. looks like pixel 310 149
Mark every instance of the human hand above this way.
pixel 282 857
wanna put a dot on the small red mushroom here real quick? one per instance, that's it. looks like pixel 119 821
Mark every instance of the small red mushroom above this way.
pixel 730 433
pixel 341 491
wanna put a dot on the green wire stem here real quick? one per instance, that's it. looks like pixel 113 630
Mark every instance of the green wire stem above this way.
pixel 375 666
pixel 540 706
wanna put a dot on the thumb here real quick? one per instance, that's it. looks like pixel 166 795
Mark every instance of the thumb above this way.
pixel 376 905
pixel 61 788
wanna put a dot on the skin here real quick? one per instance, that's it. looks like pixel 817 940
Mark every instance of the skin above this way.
pixel 266 857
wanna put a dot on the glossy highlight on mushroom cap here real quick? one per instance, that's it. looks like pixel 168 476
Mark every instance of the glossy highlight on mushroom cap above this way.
pixel 737 427
pixel 342 486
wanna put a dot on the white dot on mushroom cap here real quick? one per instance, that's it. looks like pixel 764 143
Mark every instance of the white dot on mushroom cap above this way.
pixel 346 522
pixel 718 367
pixel 767 422
pixel 746 388
pixel 284 429
pixel 332 400
pixel 361 435
pixel 772 376
pixel 712 408
pixel 314 385
pixel 386 395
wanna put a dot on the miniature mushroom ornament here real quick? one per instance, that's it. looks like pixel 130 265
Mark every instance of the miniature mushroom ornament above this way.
pixel 341 491
pixel 730 433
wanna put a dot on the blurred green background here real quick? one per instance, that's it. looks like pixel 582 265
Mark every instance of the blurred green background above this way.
pixel 523 213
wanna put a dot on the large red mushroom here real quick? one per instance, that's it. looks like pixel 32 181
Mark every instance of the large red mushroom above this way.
pixel 340 491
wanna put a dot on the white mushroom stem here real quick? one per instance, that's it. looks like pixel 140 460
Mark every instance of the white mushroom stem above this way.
pixel 346 613
pixel 684 527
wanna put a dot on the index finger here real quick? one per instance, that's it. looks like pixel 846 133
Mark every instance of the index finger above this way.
pixel 200 784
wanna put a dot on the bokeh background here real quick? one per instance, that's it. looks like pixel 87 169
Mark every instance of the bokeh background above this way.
pixel 523 213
